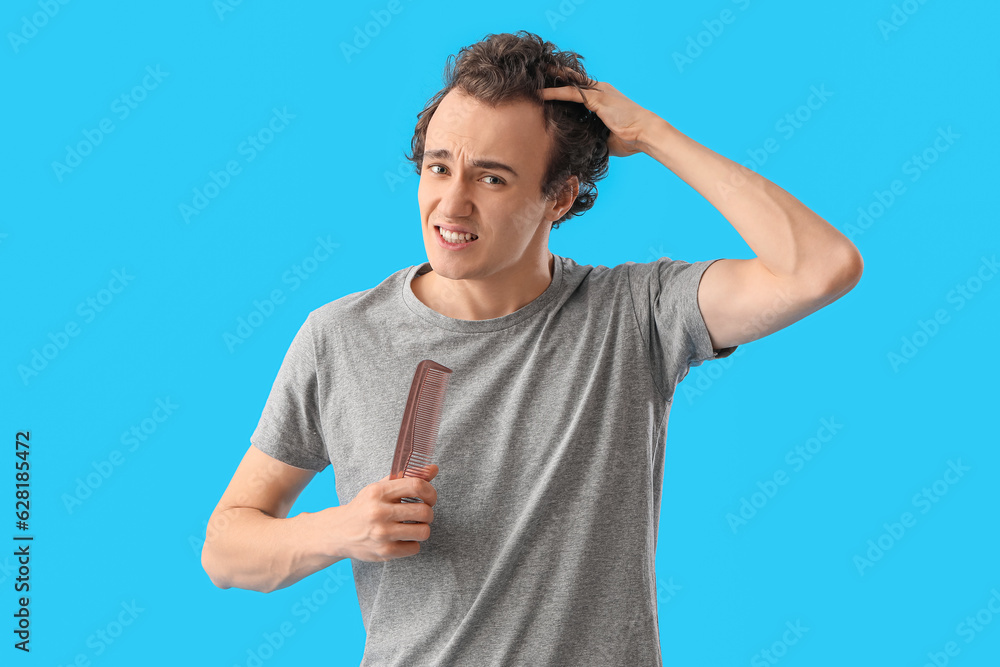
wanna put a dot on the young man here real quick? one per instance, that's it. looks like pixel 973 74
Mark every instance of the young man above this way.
pixel 536 541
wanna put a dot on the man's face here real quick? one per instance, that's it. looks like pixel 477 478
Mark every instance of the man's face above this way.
pixel 482 173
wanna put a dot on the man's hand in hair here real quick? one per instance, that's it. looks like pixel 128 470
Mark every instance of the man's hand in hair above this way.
pixel 626 119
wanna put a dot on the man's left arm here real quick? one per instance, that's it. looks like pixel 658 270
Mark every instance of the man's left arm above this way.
pixel 802 262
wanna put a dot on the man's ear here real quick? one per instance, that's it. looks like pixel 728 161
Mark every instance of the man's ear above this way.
pixel 568 195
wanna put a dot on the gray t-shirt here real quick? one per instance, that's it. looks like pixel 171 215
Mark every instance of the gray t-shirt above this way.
pixel 550 450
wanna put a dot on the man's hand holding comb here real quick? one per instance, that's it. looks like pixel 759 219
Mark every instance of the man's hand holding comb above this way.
pixel 372 526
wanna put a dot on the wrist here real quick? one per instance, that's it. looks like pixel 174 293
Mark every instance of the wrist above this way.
pixel 655 138
pixel 322 536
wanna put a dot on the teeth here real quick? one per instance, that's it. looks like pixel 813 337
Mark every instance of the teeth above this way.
pixel 456 238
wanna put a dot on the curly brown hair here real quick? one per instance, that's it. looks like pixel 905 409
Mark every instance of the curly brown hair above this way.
pixel 511 67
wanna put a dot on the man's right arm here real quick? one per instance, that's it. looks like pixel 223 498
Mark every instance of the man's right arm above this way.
pixel 250 543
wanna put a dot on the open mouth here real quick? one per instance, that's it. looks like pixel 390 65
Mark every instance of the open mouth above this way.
pixel 456 239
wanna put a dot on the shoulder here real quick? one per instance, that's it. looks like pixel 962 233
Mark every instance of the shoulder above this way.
pixel 591 276
pixel 355 310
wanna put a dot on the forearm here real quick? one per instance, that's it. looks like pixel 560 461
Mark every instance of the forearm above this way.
pixel 248 549
pixel 789 239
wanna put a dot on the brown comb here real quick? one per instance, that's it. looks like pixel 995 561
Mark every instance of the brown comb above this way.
pixel 419 430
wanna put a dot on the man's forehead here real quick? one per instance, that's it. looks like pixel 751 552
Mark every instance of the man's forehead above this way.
pixel 503 133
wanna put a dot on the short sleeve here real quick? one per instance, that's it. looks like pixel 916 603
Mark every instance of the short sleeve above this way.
pixel 290 426
pixel 665 298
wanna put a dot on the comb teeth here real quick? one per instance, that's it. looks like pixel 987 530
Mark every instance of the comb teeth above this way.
pixel 426 419
pixel 418 432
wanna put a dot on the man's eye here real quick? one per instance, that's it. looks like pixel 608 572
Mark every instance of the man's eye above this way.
pixel 433 167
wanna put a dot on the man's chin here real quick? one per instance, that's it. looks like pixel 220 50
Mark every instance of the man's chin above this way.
pixel 450 267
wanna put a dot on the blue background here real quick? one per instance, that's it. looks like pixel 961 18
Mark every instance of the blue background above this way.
pixel 335 172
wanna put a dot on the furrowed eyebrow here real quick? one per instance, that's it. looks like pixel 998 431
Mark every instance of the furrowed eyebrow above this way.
pixel 482 163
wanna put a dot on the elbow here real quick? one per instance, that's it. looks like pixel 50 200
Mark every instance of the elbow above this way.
pixel 842 271
pixel 215 574
pixel 223 577
pixel 210 561
pixel 851 267
pixel 227 564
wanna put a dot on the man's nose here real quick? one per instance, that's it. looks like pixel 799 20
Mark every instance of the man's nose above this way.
pixel 456 200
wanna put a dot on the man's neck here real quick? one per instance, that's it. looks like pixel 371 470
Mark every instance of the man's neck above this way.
pixel 482 299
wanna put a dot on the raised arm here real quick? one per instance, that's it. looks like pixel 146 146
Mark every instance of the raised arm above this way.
pixel 250 543
pixel 803 263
